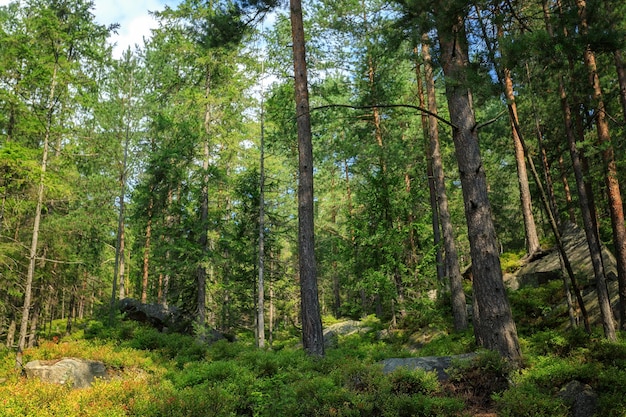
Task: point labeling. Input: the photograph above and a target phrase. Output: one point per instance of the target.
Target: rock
(78, 373)
(331, 339)
(548, 267)
(439, 364)
(158, 316)
(580, 398)
(343, 328)
(347, 327)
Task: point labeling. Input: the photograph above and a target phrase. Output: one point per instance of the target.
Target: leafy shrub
(528, 400)
(511, 261)
(450, 344)
(406, 381)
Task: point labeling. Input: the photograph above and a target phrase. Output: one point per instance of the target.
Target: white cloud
(133, 17)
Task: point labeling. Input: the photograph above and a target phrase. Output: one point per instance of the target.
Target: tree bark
(434, 204)
(612, 184)
(452, 267)
(312, 337)
(28, 288)
(146, 255)
(201, 272)
(496, 329)
(261, 283)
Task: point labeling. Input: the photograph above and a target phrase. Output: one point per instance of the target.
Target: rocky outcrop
(439, 364)
(548, 267)
(158, 316)
(343, 328)
(77, 373)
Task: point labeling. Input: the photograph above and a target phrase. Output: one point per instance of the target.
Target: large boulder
(439, 364)
(331, 333)
(548, 267)
(78, 373)
(157, 315)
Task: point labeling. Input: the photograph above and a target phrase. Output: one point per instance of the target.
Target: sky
(133, 17)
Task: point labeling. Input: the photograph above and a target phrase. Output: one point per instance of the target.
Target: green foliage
(510, 261)
(537, 308)
(529, 401)
(406, 381)
(445, 344)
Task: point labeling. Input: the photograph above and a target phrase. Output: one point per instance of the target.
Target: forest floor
(155, 374)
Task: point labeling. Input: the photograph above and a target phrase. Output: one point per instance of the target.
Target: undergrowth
(157, 374)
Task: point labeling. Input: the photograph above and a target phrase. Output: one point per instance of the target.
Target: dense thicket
(140, 176)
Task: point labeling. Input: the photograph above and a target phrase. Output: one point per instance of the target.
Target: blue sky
(132, 15)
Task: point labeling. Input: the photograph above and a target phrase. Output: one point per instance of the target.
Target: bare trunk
(496, 329)
(312, 338)
(587, 216)
(434, 205)
(612, 184)
(11, 333)
(261, 283)
(549, 204)
(453, 269)
(204, 212)
(28, 288)
(621, 78)
(146, 255)
(34, 322)
(532, 239)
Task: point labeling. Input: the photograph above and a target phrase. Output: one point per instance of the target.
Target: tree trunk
(532, 239)
(312, 337)
(11, 333)
(589, 224)
(204, 212)
(453, 269)
(434, 205)
(496, 329)
(28, 288)
(34, 321)
(612, 184)
(261, 283)
(146, 255)
(118, 268)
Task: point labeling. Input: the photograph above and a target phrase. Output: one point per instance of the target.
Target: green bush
(406, 381)
(528, 400)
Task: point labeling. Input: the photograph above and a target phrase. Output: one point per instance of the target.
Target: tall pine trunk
(452, 267)
(261, 281)
(608, 155)
(312, 337)
(32, 257)
(494, 326)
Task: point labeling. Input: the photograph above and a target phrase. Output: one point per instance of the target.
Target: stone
(158, 316)
(331, 339)
(78, 373)
(580, 398)
(347, 327)
(548, 267)
(439, 364)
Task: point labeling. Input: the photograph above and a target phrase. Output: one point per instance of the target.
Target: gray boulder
(158, 316)
(439, 364)
(548, 268)
(343, 328)
(580, 398)
(78, 373)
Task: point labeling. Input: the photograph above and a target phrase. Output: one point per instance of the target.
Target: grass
(155, 374)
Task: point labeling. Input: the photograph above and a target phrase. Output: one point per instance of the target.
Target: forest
(270, 169)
